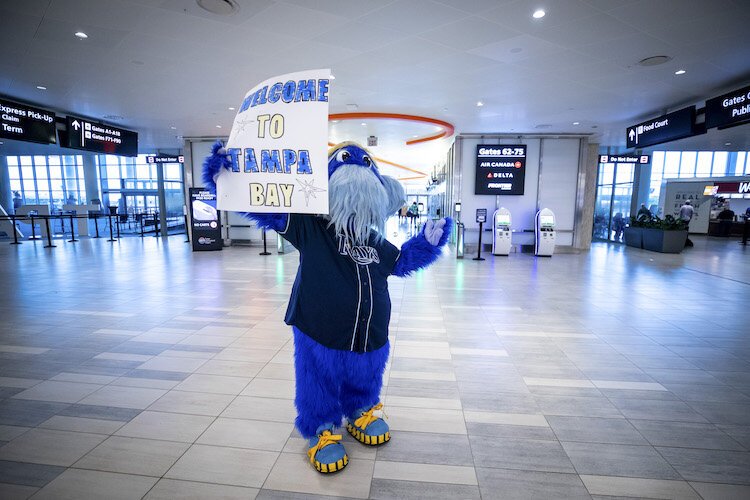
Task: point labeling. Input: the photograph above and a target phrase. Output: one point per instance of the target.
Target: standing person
(726, 217)
(686, 214)
(17, 200)
(618, 226)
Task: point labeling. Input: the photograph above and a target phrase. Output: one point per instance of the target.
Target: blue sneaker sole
(332, 467)
(366, 438)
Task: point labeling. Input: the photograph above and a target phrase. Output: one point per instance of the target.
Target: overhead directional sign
(665, 128)
(624, 159)
(25, 123)
(729, 109)
(165, 159)
(100, 138)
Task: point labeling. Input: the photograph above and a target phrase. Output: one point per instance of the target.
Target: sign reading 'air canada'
(665, 128)
(25, 123)
(501, 169)
(100, 138)
(729, 109)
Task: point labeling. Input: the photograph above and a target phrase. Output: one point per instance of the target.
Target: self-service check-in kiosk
(545, 233)
(501, 235)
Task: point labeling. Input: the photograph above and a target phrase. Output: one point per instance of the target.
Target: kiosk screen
(546, 220)
(503, 220)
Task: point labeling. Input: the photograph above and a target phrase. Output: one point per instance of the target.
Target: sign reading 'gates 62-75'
(501, 169)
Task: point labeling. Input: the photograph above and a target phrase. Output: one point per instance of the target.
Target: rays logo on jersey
(362, 255)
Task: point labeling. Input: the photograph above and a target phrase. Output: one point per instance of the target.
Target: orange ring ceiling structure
(447, 128)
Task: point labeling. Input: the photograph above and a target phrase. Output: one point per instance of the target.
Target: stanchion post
(49, 234)
(15, 232)
(72, 230)
(110, 229)
(265, 249)
(479, 248)
(33, 227)
(117, 221)
(96, 224)
(140, 219)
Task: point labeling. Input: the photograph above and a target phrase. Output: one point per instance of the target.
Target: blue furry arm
(418, 253)
(213, 164)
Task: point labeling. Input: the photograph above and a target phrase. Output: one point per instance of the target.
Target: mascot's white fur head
(360, 197)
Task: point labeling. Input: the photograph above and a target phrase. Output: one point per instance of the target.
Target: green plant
(668, 223)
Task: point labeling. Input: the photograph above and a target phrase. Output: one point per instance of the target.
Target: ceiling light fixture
(654, 60)
(480, 104)
(81, 35)
(41, 87)
(219, 7)
(173, 128)
(364, 124)
(231, 108)
(538, 14)
(576, 123)
(727, 143)
(680, 72)
(218, 126)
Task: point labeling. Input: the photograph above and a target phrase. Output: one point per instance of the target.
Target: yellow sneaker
(326, 452)
(368, 428)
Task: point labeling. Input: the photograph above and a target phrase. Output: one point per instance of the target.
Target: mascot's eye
(367, 161)
(343, 156)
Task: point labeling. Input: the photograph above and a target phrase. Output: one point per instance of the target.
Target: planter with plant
(667, 235)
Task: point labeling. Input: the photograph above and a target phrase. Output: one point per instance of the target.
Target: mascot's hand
(433, 231)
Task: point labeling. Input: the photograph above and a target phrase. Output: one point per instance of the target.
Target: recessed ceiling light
(41, 87)
(654, 60)
(576, 123)
(333, 77)
(363, 124)
(727, 143)
(218, 126)
(173, 128)
(81, 35)
(538, 14)
(219, 7)
(231, 108)
(680, 72)
(480, 104)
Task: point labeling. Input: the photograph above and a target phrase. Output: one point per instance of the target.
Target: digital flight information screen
(501, 169)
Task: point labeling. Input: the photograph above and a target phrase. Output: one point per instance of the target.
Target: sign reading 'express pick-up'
(278, 147)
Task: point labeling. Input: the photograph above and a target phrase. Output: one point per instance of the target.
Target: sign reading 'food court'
(665, 128)
(729, 109)
(501, 169)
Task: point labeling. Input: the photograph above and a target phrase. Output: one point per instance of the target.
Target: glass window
(720, 163)
(624, 172)
(657, 162)
(739, 166)
(13, 171)
(606, 173)
(687, 164)
(703, 168)
(12, 161)
(672, 164)
(173, 171)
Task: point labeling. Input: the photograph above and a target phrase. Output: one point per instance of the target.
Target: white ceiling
(167, 63)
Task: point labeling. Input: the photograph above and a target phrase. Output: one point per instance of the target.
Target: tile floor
(142, 370)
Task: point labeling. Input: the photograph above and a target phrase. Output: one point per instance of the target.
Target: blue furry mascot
(340, 308)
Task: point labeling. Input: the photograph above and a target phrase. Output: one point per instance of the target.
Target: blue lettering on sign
(270, 162)
(290, 91)
(233, 154)
(251, 164)
(304, 167)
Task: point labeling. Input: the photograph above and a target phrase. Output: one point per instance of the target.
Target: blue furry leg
(332, 383)
(318, 380)
(363, 380)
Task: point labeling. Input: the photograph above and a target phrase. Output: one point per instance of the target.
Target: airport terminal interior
(577, 329)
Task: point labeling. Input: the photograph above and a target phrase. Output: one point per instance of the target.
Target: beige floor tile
(75, 484)
(270, 388)
(10, 432)
(230, 368)
(59, 392)
(522, 419)
(133, 456)
(438, 376)
(50, 447)
(169, 489)
(558, 382)
(222, 331)
(232, 466)
(293, 472)
(137, 398)
(251, 355)
(160, 337)
(281, 371)
(19, 383)
(712, 491)
(166, 426)
(194, 403)
(413, 402)
(16, 491)
(426, 420)
(428, 473)
(169, 364)
(83, 378)
(147, 383)
(78, 424)
(639, 487)
(208, 341)
(214, 384)
(254, 408)
(255, 434)
(121, 356)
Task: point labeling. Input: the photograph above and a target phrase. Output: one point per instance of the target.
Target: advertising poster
(279, 147)
(206, 224)
(501, 169)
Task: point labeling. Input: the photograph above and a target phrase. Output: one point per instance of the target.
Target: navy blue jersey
(340, 295)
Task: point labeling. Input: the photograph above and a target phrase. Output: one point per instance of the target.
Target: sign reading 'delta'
(501, 169)
(165, 159)
(642, 159)
(729, 109)
(25, 123)
(665, 128)
(278, 147)
(100, 137)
